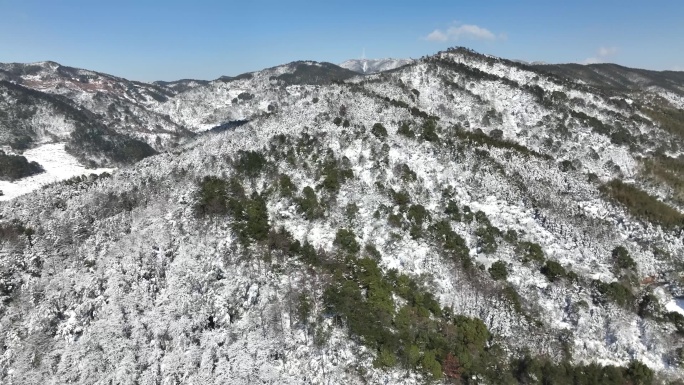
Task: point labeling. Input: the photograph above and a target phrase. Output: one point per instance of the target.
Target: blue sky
(166, 40)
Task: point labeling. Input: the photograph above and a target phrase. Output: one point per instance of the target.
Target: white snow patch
(675, 305)
(58, 164)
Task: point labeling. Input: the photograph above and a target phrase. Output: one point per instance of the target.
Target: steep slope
(29, 117)
(357, 233)
(46, 138)
(605, 135)
(122, 105)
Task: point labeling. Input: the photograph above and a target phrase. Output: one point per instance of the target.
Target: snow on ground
(58, 164)
(671, 304)
(676, 305)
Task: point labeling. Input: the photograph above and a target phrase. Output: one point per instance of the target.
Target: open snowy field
(58, 164)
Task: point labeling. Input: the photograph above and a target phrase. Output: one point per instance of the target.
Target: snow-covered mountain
(106, 121)
(462, 218)
(616, 78)
(249, 95)
(372, 66)
(124, 106)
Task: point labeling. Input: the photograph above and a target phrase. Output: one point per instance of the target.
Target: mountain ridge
(371, 66)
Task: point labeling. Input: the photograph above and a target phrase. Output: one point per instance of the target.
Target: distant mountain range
(372, 66)
(619, 78)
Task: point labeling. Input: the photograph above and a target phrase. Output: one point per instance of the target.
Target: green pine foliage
(672, 120)
(372, 252)
(615, 292)
(482, 139)
(678, 321)
(512, 296)
(351, 210)
(304, 308)
(334, 173)
(345, 240)
(452, 211)
(251, 220)
(430, 365)
(622, 260)
(511, 236)
(86, 141)
(407, 175)
(12, 231)
(530, 252)
(418, 335)
(498, 271)
(405, 130)
(13, 167)
(649, 307)
(429, 131)
(553, 271)
(453, 245)
(395, 220)
(212, 197)
(401, 199)
(308, 204)
(379, 131)
(643, 206)
(532, 370)
(666, 170)
(415, 333)
(417, 215)
(596, 125)
(415, 111)
(286, 186)
(250, 163)
(219, 197)
(487, 238)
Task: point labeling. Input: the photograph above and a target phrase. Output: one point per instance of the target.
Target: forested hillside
(461, 219)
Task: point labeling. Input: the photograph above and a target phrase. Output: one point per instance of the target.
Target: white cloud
(602, 55)
(607, 51)
(437, 35)
(464, 31)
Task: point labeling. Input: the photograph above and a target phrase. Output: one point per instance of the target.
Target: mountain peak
(47, 63)
(371, 66)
